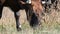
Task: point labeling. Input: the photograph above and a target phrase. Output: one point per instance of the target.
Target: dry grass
(51, 24)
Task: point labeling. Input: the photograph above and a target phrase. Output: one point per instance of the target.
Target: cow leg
(1, 8)
(27, 14)
(29, 11)
(18, 26)
(31, 17)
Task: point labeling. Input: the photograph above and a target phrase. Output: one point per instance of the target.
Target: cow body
(33, 10)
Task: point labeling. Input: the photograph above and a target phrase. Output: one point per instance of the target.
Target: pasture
(50, 24)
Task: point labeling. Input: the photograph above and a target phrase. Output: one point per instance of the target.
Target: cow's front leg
(18, 26)
(1, 8)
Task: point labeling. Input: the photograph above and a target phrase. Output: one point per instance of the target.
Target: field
(50, 24)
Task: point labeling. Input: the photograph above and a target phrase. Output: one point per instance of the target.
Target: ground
(50, 23)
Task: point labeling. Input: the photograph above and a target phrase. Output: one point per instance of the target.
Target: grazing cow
(33, 10)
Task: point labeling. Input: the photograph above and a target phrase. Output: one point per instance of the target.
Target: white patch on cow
(20, 26)
(28, 1)
(43, 2)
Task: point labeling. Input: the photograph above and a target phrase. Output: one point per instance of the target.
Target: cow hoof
(19, 29)
(0, 17)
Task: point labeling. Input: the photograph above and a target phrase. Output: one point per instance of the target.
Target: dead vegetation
(50, 23)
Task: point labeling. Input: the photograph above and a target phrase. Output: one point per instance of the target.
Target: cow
(33, 10)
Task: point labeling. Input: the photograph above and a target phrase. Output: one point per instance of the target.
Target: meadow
(50, 24)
